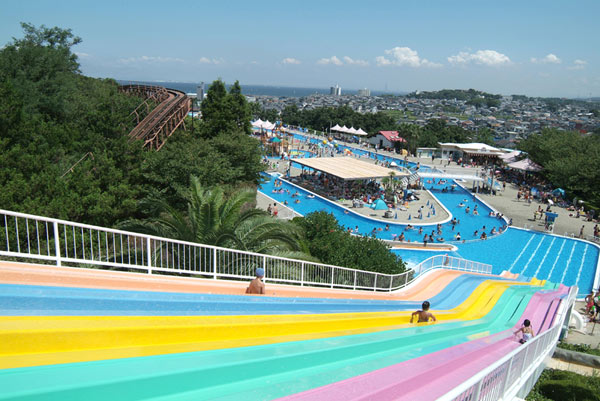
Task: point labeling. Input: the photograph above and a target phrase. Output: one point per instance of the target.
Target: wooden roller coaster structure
(155, 125)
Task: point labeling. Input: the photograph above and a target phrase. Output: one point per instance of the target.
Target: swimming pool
(549, 257)
(468, 223)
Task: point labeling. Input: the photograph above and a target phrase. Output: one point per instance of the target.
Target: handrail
(510, 375)
(35, 238)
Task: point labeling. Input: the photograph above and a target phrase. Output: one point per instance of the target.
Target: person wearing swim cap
(257, 286)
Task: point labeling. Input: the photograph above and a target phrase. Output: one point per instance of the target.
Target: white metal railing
(515, 374)
(451, 262)
(25, 237)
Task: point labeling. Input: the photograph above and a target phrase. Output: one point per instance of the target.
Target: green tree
(484, 135)
(412, 133)
(229, 159)
(216, 114)
(214, 218)
(239, 108)
(569, 160)
(63, 151)
(329, 242)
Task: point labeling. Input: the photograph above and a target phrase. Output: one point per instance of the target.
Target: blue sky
(536, 48)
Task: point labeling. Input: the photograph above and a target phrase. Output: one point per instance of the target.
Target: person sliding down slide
(424, 314)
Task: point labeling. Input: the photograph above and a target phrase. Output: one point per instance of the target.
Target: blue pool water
(467, 226)
(532, 254)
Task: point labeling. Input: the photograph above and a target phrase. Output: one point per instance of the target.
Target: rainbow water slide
(128, 338)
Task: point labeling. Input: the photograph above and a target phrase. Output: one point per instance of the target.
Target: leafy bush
(330, 243)
(585, 348)
(561, 385)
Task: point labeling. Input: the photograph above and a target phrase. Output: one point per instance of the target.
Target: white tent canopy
(510, 157)
(525, 165)
(346, 130)
(258, 123)
(268, 125)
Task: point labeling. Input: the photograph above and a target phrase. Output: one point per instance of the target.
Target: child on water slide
(423, 315)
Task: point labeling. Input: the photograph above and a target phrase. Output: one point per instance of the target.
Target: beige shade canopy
(348, 168)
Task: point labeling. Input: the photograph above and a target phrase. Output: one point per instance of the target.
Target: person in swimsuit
(257, 286)
(526, 330)
(423, 315)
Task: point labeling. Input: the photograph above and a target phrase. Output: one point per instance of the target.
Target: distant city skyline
(535, 48)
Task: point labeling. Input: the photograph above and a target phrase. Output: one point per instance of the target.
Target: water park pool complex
(559, 259)
(94, 313)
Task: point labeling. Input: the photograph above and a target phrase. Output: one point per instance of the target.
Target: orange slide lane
(21, 273)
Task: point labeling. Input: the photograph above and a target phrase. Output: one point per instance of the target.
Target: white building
(200, 92)
(386, 139)
(464, 151)
(364, 92)
(335, 90)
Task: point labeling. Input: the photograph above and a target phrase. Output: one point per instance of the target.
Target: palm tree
(213, 218)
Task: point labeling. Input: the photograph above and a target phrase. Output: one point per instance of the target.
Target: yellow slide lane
(41, 340)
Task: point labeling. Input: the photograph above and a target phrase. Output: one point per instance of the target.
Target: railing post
(302, 275)
(265, 267)
(56, 244)
(354, 287)
(214, 263)
(406, 279)
(503, 391)
(524, 360)
(149, 254)
(375, 284)
(332, 276)
(478, 390)
(391, 281)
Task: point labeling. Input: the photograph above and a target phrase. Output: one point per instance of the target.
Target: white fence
(516, 373)
(29, 238)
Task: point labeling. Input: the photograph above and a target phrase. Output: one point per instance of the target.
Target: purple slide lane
(432, 375)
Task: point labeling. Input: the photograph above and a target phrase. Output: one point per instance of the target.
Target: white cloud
(331, 60)
(362, 63)
(82, 55)
(150, 59)
(486, 57)
(290, 60)
(578, 65)
(206, 60)
(549, 59)
(404, 56)
(346, 61)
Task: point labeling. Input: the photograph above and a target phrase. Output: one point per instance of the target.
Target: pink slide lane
(433, 375)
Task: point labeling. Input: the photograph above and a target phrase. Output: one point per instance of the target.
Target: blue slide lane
(21, 300)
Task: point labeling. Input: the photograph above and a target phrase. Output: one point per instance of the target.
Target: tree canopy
(63, 151)
(64, 148)
(332, 244)
(323, 117)
(215, 218)
(222, 111)
(569, 159)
